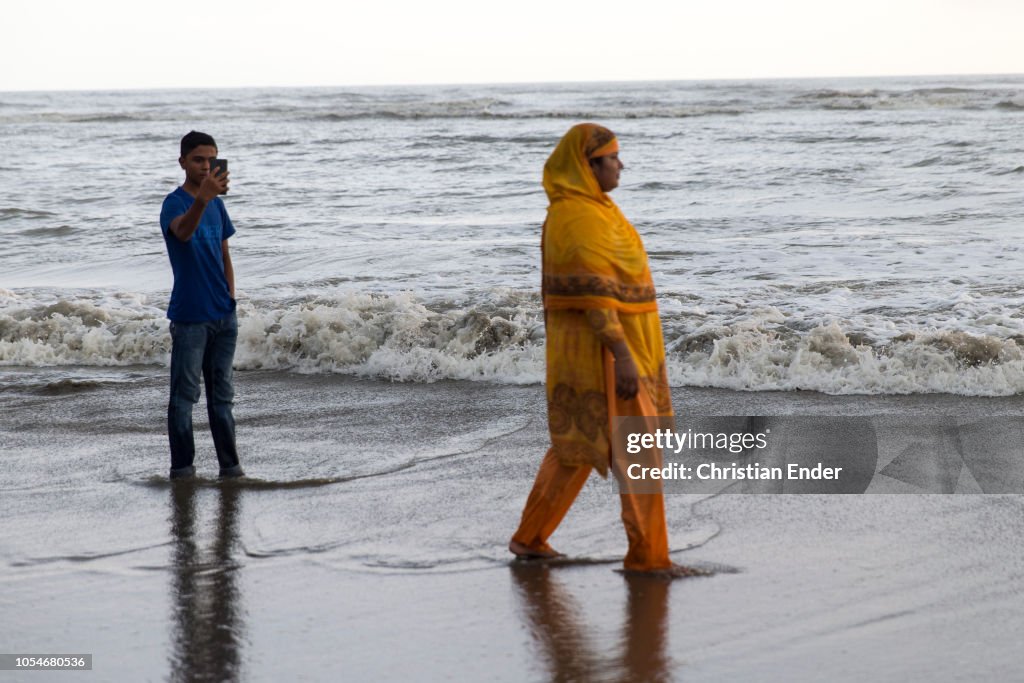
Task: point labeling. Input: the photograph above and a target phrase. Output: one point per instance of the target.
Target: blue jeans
(208, 347)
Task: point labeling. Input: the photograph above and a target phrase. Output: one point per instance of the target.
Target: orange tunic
(593, 259)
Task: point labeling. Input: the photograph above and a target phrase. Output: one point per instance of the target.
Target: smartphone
(219, 167)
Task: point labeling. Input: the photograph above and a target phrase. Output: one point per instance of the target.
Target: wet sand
(368, 543)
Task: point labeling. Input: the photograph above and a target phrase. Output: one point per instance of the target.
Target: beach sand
(368, 543)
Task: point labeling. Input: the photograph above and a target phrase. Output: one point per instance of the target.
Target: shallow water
(370, 539)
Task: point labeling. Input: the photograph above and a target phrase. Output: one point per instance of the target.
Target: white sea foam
(91, 329)
(394, 337)
(399, 337)
(824, 359)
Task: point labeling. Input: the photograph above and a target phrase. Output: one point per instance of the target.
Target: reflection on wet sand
(556, 622)
(208, 630)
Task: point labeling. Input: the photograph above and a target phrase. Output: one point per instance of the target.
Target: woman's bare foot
(524, 552)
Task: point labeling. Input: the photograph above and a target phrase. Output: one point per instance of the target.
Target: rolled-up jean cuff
(234, 471)
(183, 472)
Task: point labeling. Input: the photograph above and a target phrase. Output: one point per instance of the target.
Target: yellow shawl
(593, 258)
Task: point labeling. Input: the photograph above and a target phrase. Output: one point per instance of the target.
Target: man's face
(197, 163)
(606, 170)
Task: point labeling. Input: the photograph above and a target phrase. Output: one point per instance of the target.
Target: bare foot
(523, 552)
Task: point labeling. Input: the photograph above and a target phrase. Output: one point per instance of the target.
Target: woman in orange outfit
(605, 353)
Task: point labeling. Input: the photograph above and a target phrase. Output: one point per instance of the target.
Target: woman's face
(606, 170)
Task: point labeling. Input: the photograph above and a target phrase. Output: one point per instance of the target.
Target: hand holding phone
(215, 182)
(219, 169)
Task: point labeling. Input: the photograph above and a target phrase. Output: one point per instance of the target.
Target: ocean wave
(488, 108)
(60, 117)
(396, 337)
(393, 337)
(652, 101)
(943, 91)
(924, 163)
(87, 331)
(914, 98)
(392, 112)
(19, 213)
(846, 139)
(55, 231)
(755, 357)
(625, 112)
(829, 94)
(646, 108)
(495, 109)
(401, 338)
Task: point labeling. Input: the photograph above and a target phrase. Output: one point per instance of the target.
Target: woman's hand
(627, 378)
(606, 325)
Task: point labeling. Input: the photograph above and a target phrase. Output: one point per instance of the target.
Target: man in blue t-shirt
(204, 328)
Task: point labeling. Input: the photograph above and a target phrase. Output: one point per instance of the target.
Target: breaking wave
(400, 338)
(831, 360)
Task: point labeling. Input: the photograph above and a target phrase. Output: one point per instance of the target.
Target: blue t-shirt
(200, 286)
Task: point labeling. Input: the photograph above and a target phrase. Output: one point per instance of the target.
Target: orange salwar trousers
(557, 485)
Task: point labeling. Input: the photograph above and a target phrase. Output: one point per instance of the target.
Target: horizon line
(505, 83)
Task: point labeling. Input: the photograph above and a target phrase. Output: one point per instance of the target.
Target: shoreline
(373, 533)
(710, 400)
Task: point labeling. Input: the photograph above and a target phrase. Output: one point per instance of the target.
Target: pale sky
(109, 44)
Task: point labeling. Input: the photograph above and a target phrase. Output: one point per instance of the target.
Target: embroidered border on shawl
(594, 285)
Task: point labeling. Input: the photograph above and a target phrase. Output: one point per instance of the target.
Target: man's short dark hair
(194, 139)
